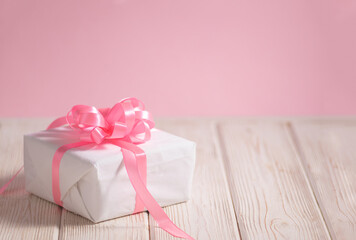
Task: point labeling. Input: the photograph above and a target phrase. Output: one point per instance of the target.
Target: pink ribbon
(125, 125)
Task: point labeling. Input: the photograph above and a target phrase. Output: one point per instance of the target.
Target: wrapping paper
(93, 179)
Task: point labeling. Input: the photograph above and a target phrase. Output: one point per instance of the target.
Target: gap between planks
(226, 166)
(298, 181)
(209, 214)
(312, 185)
(328, 149)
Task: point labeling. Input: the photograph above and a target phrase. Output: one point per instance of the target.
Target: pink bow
(126, 120)
(124, 125)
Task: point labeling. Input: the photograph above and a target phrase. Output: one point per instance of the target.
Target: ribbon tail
(58, 122)
(141, 162)
(3, 188)
(130, 153)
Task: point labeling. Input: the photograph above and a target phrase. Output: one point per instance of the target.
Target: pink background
(182, 58)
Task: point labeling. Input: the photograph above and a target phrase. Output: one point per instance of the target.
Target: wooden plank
(209, 214)
(271, 194)
(328, 152)
(131, 227)
(22, 215)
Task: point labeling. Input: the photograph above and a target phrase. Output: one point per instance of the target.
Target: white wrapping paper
(93, 179)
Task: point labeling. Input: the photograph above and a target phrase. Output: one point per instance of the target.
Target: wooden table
(256, 178)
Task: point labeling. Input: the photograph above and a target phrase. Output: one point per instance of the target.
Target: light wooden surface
(328, 152)
(258, 178)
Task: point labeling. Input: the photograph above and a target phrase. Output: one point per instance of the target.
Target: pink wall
(232, 57)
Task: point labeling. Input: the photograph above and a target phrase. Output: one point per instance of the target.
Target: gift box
(93, 180)
(110, 162)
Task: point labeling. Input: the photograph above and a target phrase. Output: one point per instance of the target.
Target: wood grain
(131, 227)
(328, 150)
(271, 194)
(22, 216)
(209, 214)
(283, 181)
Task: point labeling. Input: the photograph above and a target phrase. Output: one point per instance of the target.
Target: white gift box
(93, 179)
